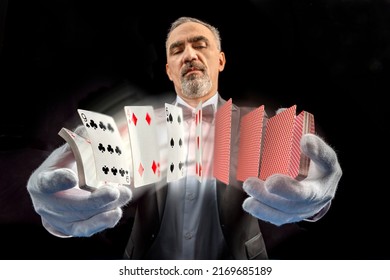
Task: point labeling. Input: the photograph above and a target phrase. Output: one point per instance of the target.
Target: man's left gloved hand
(281, 199)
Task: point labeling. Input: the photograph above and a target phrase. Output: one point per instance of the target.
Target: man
(189, 219)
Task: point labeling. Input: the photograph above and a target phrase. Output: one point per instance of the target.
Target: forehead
(189, 30)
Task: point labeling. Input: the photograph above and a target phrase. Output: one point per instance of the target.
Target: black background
(330, 58)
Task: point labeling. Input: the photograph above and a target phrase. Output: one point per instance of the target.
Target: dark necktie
(207, 112)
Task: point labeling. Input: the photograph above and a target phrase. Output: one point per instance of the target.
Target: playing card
(198, 141)
(144, 145)
(251, 130)
(82, 151)
(111, 160)
(223, 121)
(299, 166)
(278, 138)
(176, 156)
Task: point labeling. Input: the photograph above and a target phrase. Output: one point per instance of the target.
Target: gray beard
(193, 87)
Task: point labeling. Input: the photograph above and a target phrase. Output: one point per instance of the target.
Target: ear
(222, 61)
(167, 70)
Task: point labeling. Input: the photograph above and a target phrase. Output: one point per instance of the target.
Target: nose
(189, 54)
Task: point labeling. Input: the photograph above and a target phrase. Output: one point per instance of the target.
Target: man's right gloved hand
(65, 209)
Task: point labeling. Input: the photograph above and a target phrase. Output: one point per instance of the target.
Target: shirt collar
(212, 100)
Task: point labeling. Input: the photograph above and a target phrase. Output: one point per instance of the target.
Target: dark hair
(182, 20)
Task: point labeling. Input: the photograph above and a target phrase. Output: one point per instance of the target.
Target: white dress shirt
(190, 227)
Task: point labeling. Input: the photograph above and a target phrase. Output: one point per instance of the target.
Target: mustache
(189, 66)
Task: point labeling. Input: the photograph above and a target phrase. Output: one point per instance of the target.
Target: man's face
(194, 61)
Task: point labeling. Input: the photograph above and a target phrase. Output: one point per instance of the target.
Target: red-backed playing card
(223, 121)
(251, 130)
(281, 152)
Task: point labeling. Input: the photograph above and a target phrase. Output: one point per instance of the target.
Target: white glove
(65, 209)
(281, 199)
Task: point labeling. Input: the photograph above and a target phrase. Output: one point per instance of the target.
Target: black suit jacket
(241, 230)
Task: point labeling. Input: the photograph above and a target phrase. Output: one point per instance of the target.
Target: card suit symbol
(148, 118)
(110, 149)
(170, 118)
(134, 119)
(141, 169)
(118, 151)
(93, 124)
(181, 165)
(172, 142)
(105, 169)
(123, 172)
(110, 128)
(180, 142)
(102, 126)
(114, 171)
(179, 119)
(198, 142)
(154, 167)
(101, 148)
(172, 167)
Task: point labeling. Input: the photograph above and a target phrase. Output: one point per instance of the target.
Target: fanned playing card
(198, 141)
(251, 130)
(144, 145)
(299, 167)
(111, 160)
(277, 144)
(281, 153)
(223, 121)
(176, 156)
(85, 161)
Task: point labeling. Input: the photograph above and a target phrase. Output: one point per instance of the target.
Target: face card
(176, 156)
(111, 160)
(198, 141)
(144, 145)
(251, 130)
